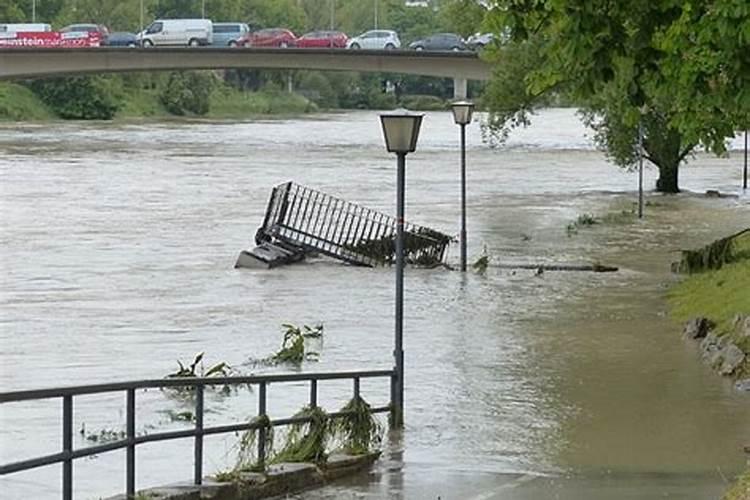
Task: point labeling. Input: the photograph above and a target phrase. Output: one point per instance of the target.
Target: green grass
(18, 103)
(741, 489)
(718, 295)
(142, 103)
(230, 103)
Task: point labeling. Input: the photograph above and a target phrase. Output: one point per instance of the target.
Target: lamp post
(401, 131)
(744, 172)
(643, 110)
(33, 11)
(462, 113)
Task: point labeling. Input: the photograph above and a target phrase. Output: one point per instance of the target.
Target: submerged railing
(318, 222)
(68, 454)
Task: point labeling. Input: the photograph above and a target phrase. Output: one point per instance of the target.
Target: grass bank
(19, 103)
(741, 489)
(720, 290)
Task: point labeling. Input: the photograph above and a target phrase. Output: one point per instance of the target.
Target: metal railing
(315, 221)
(69, 454)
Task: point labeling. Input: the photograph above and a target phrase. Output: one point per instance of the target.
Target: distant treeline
(351, 16)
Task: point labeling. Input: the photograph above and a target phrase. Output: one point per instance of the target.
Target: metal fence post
(313, 393)
(198, 451)
(356, 387)
(262, 431)
(130, 450)
(67, 441)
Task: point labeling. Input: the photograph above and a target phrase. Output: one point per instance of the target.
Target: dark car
(322, 39)
(440, 41)
(121, 39)
(270, 37)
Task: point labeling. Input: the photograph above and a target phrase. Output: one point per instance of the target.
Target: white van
(25, 28)
(190, 32)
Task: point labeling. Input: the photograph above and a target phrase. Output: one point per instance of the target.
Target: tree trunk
(665, 149)
(667, 181)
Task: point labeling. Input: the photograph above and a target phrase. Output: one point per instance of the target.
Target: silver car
(227, 34)
(375, 39)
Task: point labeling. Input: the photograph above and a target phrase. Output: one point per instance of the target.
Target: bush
(19, 103)
(377, 99)
(81, 97)
(423, 102)
(188, 93)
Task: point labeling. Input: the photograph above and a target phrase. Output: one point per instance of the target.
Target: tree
(603, 52)
(462, 16)
(80, 97)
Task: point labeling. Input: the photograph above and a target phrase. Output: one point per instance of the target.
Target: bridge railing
(68, 453)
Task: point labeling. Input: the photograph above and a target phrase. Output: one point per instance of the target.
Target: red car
(323, 39)
(272, 37)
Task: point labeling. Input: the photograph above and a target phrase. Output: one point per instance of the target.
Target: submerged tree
(623, 63)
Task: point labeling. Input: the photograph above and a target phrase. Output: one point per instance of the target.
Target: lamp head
(462, 112)
(401, 131)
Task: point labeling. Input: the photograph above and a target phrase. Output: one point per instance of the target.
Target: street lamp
(401, 131)
(462, 112)
(744, 172)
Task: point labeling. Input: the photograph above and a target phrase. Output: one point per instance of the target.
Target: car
(227, 34)
(25, 28)
(375, 39)
(121, 39)
(439, 41)
(180, 32)
(479, 41)
(89, 29)
(330, 39)
(269, 37)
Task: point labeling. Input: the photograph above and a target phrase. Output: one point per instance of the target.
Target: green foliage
(717, 254)
(358, 429)
(308, 441)
(423, 103)
(188, 92)
(80, 97)
(588, 220)
(464, 17)
(293, 348)
(740, 489)
(196, 369)
(20, 103)
(682, 64)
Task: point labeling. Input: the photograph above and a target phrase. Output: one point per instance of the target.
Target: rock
(697, 328)
(733, 357)
(713, 193)
(743, 384)
(741, 326)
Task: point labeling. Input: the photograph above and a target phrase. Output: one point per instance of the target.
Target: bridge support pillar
(459, 89)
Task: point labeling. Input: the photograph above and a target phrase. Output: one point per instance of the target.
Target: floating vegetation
(422, 247)
(247, 450)
(307, 441)
(715, 255)
(180, 416)
(588, 220)
(481, 264)
(104, 436)
(294, 348)
(359, 430)
(196, 369)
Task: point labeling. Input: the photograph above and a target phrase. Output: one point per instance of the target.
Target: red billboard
(50, 39)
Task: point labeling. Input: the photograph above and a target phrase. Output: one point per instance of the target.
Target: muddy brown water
(117, 244)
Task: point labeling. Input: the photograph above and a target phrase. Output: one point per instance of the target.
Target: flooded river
(117, 247)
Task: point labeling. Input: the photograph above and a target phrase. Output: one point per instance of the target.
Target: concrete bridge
(20, 63)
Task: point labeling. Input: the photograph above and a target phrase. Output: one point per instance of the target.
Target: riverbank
(715, 303)
(19, 103)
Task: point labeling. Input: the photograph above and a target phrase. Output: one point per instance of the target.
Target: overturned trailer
(301, 221)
